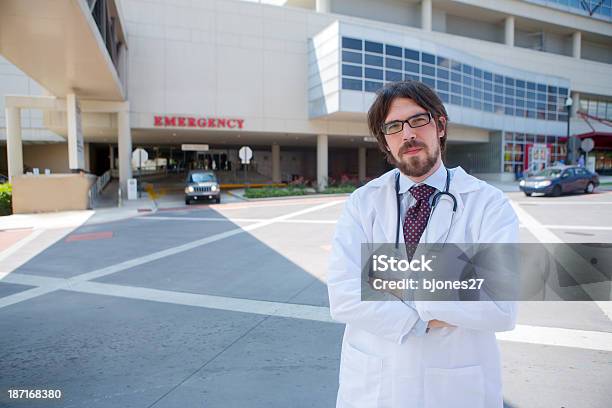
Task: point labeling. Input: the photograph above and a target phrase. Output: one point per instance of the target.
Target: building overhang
(59, 45)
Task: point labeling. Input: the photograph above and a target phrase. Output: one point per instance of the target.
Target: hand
(437, 324)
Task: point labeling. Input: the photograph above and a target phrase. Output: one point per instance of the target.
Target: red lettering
(190, 121)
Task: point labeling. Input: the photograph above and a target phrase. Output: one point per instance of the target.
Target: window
(457, 83)
(352, 84)
(411, 54)
(371, 86)
(442, 85)
(430, 82)
(442, 73)
(392, 50)
(373, 73)
(374, 47)
(351, 43)
(373, 60)
(411, 66)
(348, 56)
(393, 76)
(394, 63)
(428, 70)
(352, 70)
(428, 58)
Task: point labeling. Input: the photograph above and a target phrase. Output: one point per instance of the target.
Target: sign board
(139, 157)
(246, 154)
(537, 157)
(194, 147)
(590, 164)
(587, 145)
(132, 189)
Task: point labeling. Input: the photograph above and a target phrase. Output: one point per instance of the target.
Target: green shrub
(273, 192)
(340, 189)
(5, 199)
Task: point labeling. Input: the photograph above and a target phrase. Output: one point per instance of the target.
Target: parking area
(226, 306)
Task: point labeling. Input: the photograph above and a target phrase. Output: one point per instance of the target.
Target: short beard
(415, 166)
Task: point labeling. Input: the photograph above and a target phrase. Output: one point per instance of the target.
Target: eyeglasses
(415, 121)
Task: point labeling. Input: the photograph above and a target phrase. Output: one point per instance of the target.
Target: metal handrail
(97, 187)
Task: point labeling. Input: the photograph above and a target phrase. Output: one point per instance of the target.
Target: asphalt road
(226, 306)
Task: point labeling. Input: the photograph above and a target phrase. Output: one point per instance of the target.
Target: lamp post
(571, 148)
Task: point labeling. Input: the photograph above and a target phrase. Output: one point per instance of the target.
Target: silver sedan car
(201, 185)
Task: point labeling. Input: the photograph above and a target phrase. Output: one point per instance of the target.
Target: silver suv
(200, 185)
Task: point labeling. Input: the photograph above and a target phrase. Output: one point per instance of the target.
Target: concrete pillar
(575, 103)
(323, 6)
(322, 171)
(14, 149)
(426, 15)
(125, 150)
(276, 173)
(76, 146)
(576, 44)
(509, 31)
(111, 156)
(362, 164)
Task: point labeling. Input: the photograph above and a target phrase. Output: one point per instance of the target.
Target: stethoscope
(434, 204)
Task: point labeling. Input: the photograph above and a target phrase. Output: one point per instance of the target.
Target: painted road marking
(35, 292)
(560, 337)
(542, 234)
(90, 236)
(231, 219)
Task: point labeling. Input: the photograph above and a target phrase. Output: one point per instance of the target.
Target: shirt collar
(436, 180)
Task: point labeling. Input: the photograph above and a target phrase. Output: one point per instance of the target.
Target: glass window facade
(455, 82)
(599, 109)
(597, 8)
(515, 149)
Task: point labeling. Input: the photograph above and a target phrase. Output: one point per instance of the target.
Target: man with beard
(417, 354)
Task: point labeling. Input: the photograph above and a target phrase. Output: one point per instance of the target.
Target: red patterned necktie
(416, 217)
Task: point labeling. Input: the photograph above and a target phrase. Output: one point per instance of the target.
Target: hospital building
(83, 83)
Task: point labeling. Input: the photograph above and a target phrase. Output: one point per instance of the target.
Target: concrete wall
(53, 156)
(390, 11)
(249, 60)
(597, 51)
(57, 192)
(474, 28)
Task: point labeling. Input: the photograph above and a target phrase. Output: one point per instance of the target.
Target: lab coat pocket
(454, 387)
(360, 378)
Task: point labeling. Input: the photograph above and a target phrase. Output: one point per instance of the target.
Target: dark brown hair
(420, 93)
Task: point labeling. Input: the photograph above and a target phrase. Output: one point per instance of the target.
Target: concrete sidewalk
(66, 219)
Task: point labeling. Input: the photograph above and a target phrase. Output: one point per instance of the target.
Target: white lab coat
(381, 365)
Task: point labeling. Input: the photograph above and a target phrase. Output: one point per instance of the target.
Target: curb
(319, 195)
